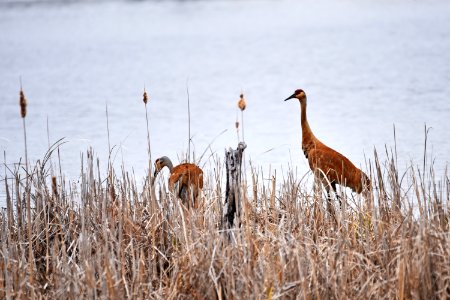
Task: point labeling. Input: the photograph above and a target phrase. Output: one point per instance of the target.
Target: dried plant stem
(148, 141)
(286, 246)
(242, 122)
(237, 128)
(28, 204)
(189, 123)
(9, 207)
(150, 180)
(25, 143)
(49, 146)
(109, 142)
(242, 105)
(150, 163)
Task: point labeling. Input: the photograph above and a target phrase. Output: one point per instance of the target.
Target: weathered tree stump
(233, 203)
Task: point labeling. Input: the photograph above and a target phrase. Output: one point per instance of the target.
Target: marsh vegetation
(116, 237)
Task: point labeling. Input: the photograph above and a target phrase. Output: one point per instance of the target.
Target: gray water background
(366, 67)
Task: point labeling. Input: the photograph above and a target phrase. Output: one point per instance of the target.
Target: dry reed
(149, 183)
(98, 240)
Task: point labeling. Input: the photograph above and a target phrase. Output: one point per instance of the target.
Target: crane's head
(161, 163)
(298, 94)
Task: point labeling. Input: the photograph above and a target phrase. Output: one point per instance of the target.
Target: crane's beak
(290, 97)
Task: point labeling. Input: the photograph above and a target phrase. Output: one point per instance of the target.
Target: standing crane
(186, 180)
(328, 165)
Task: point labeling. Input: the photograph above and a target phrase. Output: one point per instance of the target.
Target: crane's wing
(186, 174)
(336, 166)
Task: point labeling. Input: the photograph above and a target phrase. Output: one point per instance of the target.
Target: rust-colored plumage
(186, 180)
(328, 165)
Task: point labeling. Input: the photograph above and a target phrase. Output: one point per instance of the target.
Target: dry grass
(96, 239)
(105, 238)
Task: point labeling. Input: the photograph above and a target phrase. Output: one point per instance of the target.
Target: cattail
(237, 124)
(145, 99)
(241, 103)
(23, 114)
(54, 186)
(23, 104)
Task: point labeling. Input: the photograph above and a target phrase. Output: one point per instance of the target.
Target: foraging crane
(186, 180)
(328, 165)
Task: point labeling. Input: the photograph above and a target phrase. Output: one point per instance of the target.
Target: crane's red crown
(298, 94)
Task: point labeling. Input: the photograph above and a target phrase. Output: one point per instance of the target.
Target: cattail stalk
(109, 142)
(145, 99)
(150, 165)
(242, 105)
(237, 128)
(23, 114)
(189, 123)
(9, 208)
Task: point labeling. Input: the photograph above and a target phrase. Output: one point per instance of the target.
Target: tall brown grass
(99, 239)
(91, 241)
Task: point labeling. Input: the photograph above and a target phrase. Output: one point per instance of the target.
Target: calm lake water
(365, 66)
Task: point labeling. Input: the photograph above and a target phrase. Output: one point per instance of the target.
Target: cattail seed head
(112, 193)
(54, 186)
(237, 124)
(241, 103)
(145, 97)
(23, 104)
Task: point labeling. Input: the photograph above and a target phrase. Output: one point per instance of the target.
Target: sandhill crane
(186, 180)
(328, 165)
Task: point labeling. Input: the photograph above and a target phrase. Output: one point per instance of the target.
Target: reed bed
(105, 238)
(114, 237)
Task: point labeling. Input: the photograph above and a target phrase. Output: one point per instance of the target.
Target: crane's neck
(168, 163)
(308, 138)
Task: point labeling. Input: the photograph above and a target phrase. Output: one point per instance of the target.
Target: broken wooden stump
(233, 203)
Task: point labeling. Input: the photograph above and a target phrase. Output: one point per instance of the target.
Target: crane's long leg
(322, 180)
(184, 195)
(330, 207)
(327, 188)
(333, 185)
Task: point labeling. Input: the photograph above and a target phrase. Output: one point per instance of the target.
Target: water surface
(365, 66)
